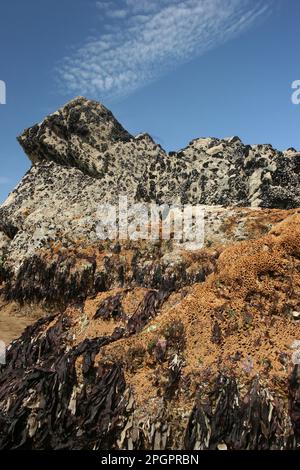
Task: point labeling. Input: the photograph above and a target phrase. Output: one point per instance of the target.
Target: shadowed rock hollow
(149, 345)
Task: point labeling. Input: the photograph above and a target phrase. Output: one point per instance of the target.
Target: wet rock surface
(138, 345)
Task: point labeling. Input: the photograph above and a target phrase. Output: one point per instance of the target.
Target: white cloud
(143, 39)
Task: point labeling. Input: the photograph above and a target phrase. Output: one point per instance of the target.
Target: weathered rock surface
(85, 135)
(150, 345)
(82, 157)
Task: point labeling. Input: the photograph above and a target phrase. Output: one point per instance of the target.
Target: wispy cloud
(142, 39)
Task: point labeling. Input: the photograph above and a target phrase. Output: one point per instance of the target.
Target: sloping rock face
(150, 345)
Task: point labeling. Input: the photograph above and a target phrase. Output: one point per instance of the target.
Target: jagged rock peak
(74, 135)
(85, 135)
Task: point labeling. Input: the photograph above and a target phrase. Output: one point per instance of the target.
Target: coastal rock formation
(84, 135)
(82, 157)
(149, 345)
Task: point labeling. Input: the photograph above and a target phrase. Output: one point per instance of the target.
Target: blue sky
(176, 69)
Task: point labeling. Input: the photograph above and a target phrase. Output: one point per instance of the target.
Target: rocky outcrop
(86, 136)
(83, 157)
(150, 345)
(77, 135)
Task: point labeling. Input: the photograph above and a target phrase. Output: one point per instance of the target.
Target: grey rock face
(81, 157)
(86, 136)
(76, 135)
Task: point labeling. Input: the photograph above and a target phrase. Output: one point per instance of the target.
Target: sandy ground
(14, 319)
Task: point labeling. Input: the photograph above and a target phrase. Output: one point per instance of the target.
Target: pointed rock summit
(75, 135)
